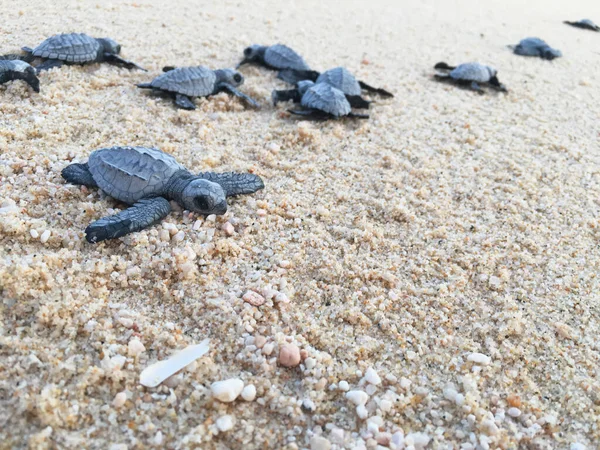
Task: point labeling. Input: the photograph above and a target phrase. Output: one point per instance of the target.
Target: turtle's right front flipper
(117, 60)
(294, 76)
(135, 218)
(379, 91)
(79, 174)
(235, 183)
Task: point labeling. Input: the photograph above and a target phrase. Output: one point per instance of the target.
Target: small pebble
(228, 229)
(253, 298)
(224, 423)
(45, 236)
(372, 377)
(34, 234)
(310, 363)
(158, 438)
(479, 358)
(135, 347)
(268, 348)
(344, 386)
(405, 383)
(179, 236)
(319, 443)
(249, 393)
(514, 412)
(577, 446)
(362, 412)
(119, 399)
(227, 390)
(289, 355)
(211, 218)
(357, 397)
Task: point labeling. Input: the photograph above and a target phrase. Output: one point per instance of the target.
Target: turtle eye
(237, 78)
(248, 51)
(202, 203)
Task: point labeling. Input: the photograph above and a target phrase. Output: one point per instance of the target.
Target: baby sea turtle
(585, 24)
(77, 48)
(275, 57)
(186, 82)
(535, 47)
(147, 179)
(339, 78)
(18, 70)
(323, 101)
(470, 75)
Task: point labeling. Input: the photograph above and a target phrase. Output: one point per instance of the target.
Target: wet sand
(449, 243)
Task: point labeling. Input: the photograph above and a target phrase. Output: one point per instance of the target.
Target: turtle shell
(340, 79)
(191, 81)
(280, 56)
(326, 98)
(131, 173)
(73, 47)
(473, 72)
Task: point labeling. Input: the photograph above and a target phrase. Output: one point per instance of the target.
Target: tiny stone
(289, 355)
(383, 438)
(135, 347)
(337, 436)
(260, 341)
(419, 440)
(309, 405)
(514, 412)
(126, 322)
(227, 390)
(268, 348)
(479, 358)
(228, 229)
(45, 236)
(362, 412)
(372, 377)
(164, 235)
(211, 218)
(410, 355)
(344, 386)
(385, 405)
(197, 225)
(119, 399)
(253, 298)
(577, 446)
(357, 397)
(261, 212)
(179, 236)
(224, 423)
(310, 363)
(319, 443)
(405, 383)
(371, 389)
(249, 393)
(158, 438)
(34, 234)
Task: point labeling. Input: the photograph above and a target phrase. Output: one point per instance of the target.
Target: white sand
(448, 224)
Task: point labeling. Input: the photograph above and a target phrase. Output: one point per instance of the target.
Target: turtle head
(550, 53)
(24, 71)
(304, 86)
(230, 76)
(110, 46)
(254, 53)
(204, 197)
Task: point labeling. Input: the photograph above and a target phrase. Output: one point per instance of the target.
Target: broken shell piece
(158, 372)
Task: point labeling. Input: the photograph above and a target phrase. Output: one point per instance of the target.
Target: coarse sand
(439, 260)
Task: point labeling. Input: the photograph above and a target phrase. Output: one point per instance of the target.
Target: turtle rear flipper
(117, 60)
(293, 76)
(135, 218)
(184, 102)
(313, 114)
(48, 64)
(356, 101)
(358, 116)
(234, 91)
(79, 174)
(379, 91)
(235, 183)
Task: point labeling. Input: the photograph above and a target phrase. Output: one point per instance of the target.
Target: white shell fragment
(155, 374)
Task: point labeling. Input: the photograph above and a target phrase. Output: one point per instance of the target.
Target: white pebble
(249, 393)
(45, 236)
(357, 397)
(158, 438)
(385, 405)
(227, 390)
(126, 322)
(254, 298)
(228, 229)
(479, 358)
(310, 363)
(459, 399)
(337, 436)
(211, 218)
(418, 440)
(197, 225)
(514, 412)
(135, 347)
(224, 423)
(308, 404)
(268, 348)
(34, 234)
(344, 386)
(372, 377)
(410, 355)
(319, 443)
(179, 236)
(398, 439)
(577, 446)
(405, 383)
(371, 389)
(119, 399)
(362, 412)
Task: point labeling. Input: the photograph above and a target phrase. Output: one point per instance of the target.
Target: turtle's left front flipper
(293, 76)
(135, 218)
(234, 91)
(379, 91)
(115, 59)
(235, 183)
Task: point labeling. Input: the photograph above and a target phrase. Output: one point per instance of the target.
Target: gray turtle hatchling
(586, 24)
(186, 82)
(18, 70)
(78, 48)
(147, 179)
(323, 101)
(535, 47)
(471, 75)
(339, 78)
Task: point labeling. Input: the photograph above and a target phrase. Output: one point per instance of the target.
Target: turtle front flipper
(379, 91)
(358, 116)
(116, 59)
(443, 66)
(79, 174)
(293, 76)
(229, 88)
(313, 114)
(168, 68)
(284, 96)
(135, 218)
(184, 102)
(235, 183)
(356, 101)
(48, 64)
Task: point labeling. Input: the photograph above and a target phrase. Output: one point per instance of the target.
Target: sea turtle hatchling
(339, 78)
(186, 82)
(323, 101)
(471, 75)
(18, 70)
(78, 48)
(586, 24)
(533, 46)
(147, 179)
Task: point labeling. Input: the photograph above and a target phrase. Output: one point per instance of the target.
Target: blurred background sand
(449, 224)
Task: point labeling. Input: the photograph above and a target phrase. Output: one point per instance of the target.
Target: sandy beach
(436, 265)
